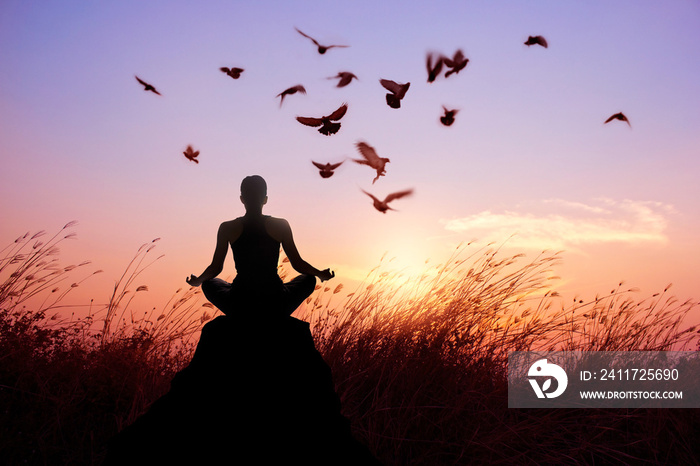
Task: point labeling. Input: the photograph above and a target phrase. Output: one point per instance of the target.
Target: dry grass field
(420, 363)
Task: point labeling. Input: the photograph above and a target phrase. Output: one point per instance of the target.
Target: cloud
(569, 225)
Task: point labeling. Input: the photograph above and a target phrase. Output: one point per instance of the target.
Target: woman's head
(253, 191)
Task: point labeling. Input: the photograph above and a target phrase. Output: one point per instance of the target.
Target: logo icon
(542, 368)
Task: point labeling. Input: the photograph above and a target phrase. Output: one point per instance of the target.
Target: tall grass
(420, 363)
(67, 384)
(29, 269)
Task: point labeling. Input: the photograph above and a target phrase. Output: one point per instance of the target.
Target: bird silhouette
(292, 90)
(536, 40)
(456, 64)
(321, 48)
(383, 206)
(326, 170)
(235, 73)
(396, 92)
(146, 86)
(449, 117)
(434, 70)
(371, 159)
(618, 116)
(345, 78)
(191, 154)
(326, 124)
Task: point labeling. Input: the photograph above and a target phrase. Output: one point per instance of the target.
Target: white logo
(541, 368)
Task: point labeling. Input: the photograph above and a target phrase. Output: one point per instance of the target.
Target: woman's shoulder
(232, 223)
(278, 228)
(276, 221)
(231, 226)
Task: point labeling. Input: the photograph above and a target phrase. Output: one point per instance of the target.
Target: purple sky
(527, 155)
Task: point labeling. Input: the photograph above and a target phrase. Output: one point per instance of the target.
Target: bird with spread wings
(371, 159)
(146, 86)
(326, 169)
(326, 124)
(321, 48)
(383, 206)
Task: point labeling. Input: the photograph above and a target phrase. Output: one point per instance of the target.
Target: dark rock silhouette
(255, 392)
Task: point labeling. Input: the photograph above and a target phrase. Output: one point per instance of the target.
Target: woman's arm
(284, 233)
(217, 262)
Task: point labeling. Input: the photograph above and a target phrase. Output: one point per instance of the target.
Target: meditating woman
(255, 241)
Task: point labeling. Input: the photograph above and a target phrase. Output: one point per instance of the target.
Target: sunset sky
(528, 154)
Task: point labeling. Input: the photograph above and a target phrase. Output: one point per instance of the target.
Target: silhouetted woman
(255, 241)
(274, 389)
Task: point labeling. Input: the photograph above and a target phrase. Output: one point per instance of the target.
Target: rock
(255, 392)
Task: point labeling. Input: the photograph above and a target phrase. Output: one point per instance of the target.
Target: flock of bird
(330, 124)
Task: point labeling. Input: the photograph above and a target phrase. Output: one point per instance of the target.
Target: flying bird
(321, 48)
(345, 78)
(457, 63)
(325, 122)
(396, 92)
(433, 70)
(383, 206)
(235, 73)
(292, 90)
(146, 86)
(536, 40)
(449, 117)
(371, 159)
(191, 154)
(326, 170)
(618, 116)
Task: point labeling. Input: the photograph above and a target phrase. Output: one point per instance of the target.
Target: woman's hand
(193, 280)
(326, 275)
